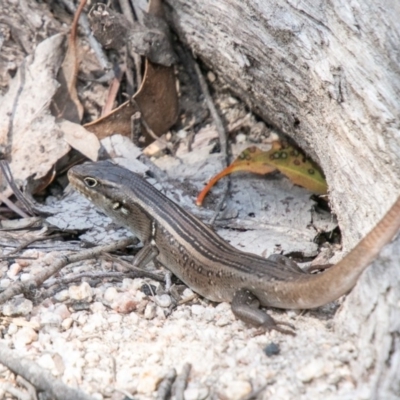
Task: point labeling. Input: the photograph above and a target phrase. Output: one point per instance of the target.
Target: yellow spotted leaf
(289, 160)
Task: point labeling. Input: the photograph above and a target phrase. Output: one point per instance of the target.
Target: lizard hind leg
(245, 306)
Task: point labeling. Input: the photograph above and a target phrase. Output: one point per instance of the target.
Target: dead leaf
(27, 129)
(66, 103)
(156, 100)
(289, 160)
(80, 139)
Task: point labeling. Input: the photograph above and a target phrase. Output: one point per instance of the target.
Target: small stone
(240, 138)
(187, 293)
(310, 371)
(13, 271)
(124, 303)
(92, 358)
(46, 361)
(128, 284)
(110, 294)
(148, 381)
(150, 311)
(67, 323)
(211, 76)
(238, 389)
(196, 393)
(272, 350)
(17, 307)
(62, 311)
(62, 296)
(4, 283)
(83, 292)
(97, 307)
(25, 277)
(163, 300)
(12, 329)
(197, 309)
(223, 320)
(50, 319)
(24, 336)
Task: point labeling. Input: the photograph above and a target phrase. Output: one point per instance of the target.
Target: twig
(39, 377)
(94, 44)
(164, 389)
(129, 266)
(34, 240)
(34, 283)
(214, 113)
(223, 142)
(181, 381)
(12, 206)
(5, 168)
(96, 275)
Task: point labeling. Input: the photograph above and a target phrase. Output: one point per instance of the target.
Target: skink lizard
(209, 265)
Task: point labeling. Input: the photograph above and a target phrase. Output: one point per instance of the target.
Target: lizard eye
(90, 182)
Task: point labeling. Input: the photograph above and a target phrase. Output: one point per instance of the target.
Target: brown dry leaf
(66, 103)
(156, 100)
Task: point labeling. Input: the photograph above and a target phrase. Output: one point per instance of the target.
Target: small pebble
(272, 350)
(150, 311)
(24, 336)
(237, 390)
(182, 134)
(241, 138)
(50, 319)
(12, 329)
(196, 392)
(4, 283)
(211, 76)
(110, 294)
(83, 292)
(46, 361)
(17, 307)
(163, 300)
(310, 371)
(67, 323)
(62, 296)
(62, 311)
(124, 303)
(148, 381)
(25, 277)
(13, 271)
(197, 309)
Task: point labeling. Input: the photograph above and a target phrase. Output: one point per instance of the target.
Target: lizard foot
(245, 306)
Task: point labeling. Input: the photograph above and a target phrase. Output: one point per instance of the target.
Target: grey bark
(325, 73)
(328, 75)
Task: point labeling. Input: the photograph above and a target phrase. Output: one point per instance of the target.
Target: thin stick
(38, 279)
(5, 168)
(221, 133)
(39, 377)
(148, 274)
